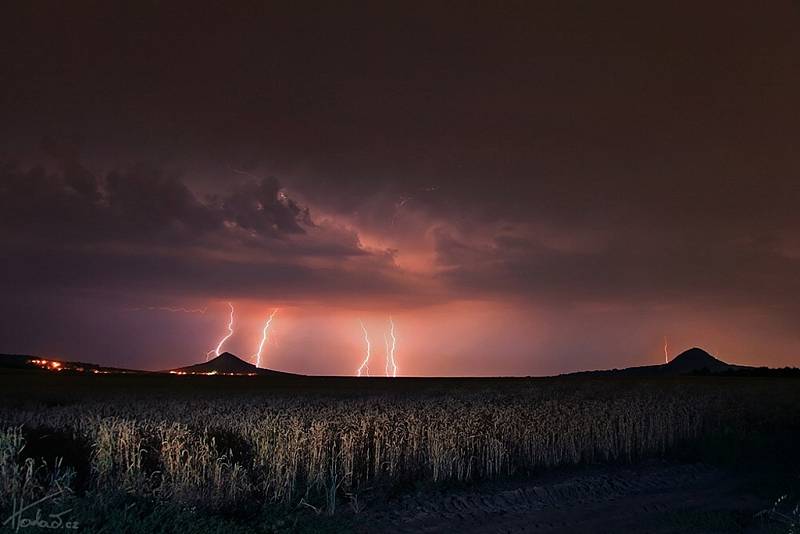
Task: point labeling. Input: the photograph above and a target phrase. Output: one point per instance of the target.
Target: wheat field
(215, 449)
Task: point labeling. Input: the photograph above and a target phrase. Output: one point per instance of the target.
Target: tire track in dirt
(602, 500)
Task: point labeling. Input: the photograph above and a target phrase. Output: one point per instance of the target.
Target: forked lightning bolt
(264, 334)
(390, 347)
(365, 363)
(666, 351)
(225, 338)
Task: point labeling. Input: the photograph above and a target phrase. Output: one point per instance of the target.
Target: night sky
(526, 188)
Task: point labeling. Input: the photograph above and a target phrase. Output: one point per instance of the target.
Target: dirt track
(642, 499)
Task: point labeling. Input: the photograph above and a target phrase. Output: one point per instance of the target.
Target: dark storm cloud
(141, 204)
(717, 228)
(627, 268)
(144, 230)
(583, 151)
(111, 273)
(622, 154)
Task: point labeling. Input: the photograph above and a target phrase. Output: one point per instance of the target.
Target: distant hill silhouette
(40, 363)
(227, 363)
(696, 359)
(692, 361)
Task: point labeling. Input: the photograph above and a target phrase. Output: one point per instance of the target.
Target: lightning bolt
(264, 337)
(666, 351)
(390, 352)
(225, 338)
(364, 364)
(386, 343)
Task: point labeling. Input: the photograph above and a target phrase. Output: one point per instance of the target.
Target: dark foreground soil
(655, 497)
